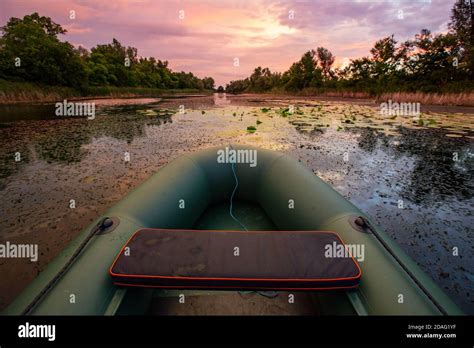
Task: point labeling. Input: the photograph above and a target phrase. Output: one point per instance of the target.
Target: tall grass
(112, 91)
(445, 98)
(24, 92)
(464, 98)
(20, 92)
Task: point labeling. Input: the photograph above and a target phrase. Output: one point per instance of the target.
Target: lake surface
(413, 176)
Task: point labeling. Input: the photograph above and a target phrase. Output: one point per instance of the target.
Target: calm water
(377, 163)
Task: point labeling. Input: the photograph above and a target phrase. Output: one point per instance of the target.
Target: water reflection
(220, 99)
(62, 140)
(10, 162)
(368, 138)
(443, 167)
(46, 111)
(12, 113)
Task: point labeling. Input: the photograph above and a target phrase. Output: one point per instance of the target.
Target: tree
(32, 42)
(431, 62)
(461, 24)
(208, 83)
(361, 69)
(304, 73)
(384, 58)
(326, 60)
(462, 27)
(116, 60)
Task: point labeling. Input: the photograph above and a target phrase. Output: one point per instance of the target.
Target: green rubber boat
(269, 191)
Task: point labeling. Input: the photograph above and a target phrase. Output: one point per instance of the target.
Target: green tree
(462, 28)
(115, 60)
(304, 73)
(431, 65)
(33, 43)
(326, 60)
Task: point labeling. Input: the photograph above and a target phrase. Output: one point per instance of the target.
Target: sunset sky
(258, 32)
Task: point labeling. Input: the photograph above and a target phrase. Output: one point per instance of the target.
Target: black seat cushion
(195, 259)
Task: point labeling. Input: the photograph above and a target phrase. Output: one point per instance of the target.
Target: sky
(205, 37)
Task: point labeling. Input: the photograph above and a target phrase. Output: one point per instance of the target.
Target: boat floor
(235, 303)
(252, 216)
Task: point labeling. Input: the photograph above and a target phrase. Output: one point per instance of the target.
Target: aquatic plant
(284, 112)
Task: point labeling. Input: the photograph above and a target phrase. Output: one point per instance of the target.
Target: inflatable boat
(232, 219)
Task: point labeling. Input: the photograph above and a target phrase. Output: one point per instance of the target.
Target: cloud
(258, 32)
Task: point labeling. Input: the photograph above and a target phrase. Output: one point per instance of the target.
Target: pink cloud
(258, 32)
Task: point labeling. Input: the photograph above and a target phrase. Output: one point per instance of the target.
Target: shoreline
(249, 98)
(23, 93)
(252, 99)
(105, 97)
(464, 99)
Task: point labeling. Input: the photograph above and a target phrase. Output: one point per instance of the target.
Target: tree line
(428, 63)
(31, 51)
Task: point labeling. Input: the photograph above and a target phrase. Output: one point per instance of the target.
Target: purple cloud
(258, 32)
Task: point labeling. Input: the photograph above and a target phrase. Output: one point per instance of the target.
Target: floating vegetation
(284, 112)
(366, 116)
(156, 112)
(148, 112)
(300, 123)
(251, 129)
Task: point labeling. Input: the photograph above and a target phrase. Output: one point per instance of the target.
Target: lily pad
(251, 129)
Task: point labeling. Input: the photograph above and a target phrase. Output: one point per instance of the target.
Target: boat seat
(234, 260)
